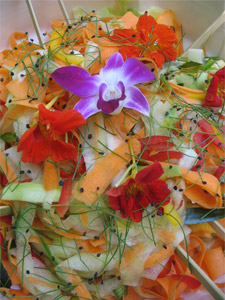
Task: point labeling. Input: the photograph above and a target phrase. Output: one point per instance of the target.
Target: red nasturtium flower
(216, 90)
(137, 193)
(46, 138)
(149, 39)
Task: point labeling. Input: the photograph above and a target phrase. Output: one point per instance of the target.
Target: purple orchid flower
(111, 90)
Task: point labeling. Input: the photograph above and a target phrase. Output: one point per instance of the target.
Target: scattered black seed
(58, 286)
(164, 246)
(15, 48)
(37, 298)
(181, 134)
(27, 126)
(81, 18)
(90, 136)
(50, 79)
(153, 69)
(27, 271)
(179, 108)
(69, 283)
(44, 33)
(153, 216)
(12, 74)
(21, 172)
(166, 113)
(159, 214)
(80, 248)
(2, 79)
(180, 190)
(98, 188)
(93, 36)
(53, 258)
(219, 144)
(95, 275)
(26, 32)
(61, 183)
(22, 75)
(180, 124)
(101, 153)
(198, 167)
(32, 40)
(10, 100)
(167, 78)
(195, 121)
(17, 139)
(204, 182)
(81, 190)
(84, 233)
(96, 237)
(64, 106)
(98, 255)
(206, 81)
(133, 35)
(100, 28)
(152, 203)
(172, 28)
(170, 167)
(126, 140)
(114, 230)
(80, 146)
(102, 282)
(175, 187)
(93, 11)
(174, 106)
(118, 277)
(27, 230)
(146, 12)
(72, 52)
(90, 281)
(173, 93)
(217, 195)
(29, 44)
(180, 84)
(16, 64)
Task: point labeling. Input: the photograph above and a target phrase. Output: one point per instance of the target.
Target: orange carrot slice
(50, 176)
(129, 20)
(95, 182)
(203, 189)
(215, 262)
(184, 89)
(7, 169)
(158, 256)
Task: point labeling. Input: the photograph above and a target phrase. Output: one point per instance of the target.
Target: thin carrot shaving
(36, 239)
(214, 262)
(158, 256)
(42, 283)
(7, 169)
(84, 219)
(98, 179)
(15, 294)
(98, 242)
(50, 176)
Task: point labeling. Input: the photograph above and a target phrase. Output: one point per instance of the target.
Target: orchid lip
(109, 106)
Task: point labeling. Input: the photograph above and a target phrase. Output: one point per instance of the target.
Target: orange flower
(149, 39)
(45, 138)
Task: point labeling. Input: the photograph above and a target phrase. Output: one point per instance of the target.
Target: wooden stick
(210, 286)
(64, 11)
(219, 229)
(34, 20)
(209, 31)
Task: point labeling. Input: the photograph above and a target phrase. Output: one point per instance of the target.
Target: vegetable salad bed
(112, 155)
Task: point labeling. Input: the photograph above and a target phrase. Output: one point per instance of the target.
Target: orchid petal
(136, 100)
(87, 106)
(76, 80)
(134, 72)
(114, 62)
(111, 72)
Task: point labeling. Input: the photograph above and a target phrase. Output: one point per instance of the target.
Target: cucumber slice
(30, 192)
(185, 80)
(196, 55)
(171, 172)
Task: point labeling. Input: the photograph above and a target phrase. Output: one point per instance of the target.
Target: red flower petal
(34, 145)
(62, 151)
(146, 23)
(61, 121)
(149, 174)
(158, 191)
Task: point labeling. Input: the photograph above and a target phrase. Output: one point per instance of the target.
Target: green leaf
(202, 215)
(9, 137)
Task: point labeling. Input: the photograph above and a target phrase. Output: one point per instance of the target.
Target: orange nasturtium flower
(148, 39)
